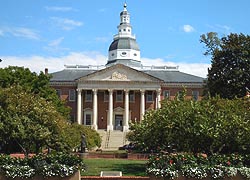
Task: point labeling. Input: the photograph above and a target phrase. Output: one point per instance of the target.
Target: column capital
(79, 90)
(142, 91)
(126, 91)
(110, 90)
(94, 90)
(158, 91)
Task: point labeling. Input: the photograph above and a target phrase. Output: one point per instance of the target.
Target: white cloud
(66, 24)
(59, 8)
(224, 29)
(39, 63)
(197, 69)
(20, 32)
(56, 42)
(188, 28)
(1, 33)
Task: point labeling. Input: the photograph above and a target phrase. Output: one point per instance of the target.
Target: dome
(124, 43)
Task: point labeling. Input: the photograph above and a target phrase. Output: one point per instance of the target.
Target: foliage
(229, 74)
(198, 166)
(72, 135)
(46, 165)
(32, 83)
(29, 121)
(212, 125)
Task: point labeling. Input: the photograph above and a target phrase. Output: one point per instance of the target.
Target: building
(109, 96)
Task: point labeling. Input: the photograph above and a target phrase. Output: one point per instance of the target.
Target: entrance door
(118, 122)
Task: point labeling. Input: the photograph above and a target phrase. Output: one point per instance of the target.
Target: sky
(40, 34)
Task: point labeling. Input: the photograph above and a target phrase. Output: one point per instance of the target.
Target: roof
(175, 76)
(71, 74)
(124, 43)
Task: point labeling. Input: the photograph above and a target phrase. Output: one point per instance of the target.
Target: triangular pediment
(119, 72)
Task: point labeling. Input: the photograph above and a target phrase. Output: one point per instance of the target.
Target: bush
(198, 166)
(45, 165)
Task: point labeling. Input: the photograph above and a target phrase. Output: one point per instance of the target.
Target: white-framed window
(119, 96)
(72, 95)
(88, 119)
(106, 96)
(166, 94)
(150, 96)
(195, 95)
(59, 92)
(88, 96)
(131, 96)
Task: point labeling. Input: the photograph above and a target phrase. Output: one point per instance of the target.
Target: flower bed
(199, 166)
(44, 166)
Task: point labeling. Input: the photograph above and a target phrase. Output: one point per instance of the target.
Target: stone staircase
(112, 140)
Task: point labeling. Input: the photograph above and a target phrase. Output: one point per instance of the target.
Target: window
(166, 94)
(72, 95)
(195, 95)
(59, 92)
(88, 96)
(72, 118)
(124, 29)
(180, 95)
(106, 96)
(150, 96)
(88, 119)
(119, 96)
(131, 96)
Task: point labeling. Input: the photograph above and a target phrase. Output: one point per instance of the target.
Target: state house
(107, 97)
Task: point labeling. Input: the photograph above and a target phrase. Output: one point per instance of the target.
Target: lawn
(128, 167)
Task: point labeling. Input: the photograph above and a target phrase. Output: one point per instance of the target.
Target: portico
(115, 88)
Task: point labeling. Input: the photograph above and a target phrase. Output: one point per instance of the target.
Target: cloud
(66, 24)
(224, 29)
(188, 28)
(197, 69)
(56, 42)
(59, 8)
(1, 33)
(20, 32)
(39, 63)
(102, 39)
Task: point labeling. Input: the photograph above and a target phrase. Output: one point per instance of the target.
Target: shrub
(45, 165)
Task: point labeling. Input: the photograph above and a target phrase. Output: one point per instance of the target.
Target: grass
(128, 167)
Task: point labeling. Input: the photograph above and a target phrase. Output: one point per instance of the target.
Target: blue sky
(42, 34)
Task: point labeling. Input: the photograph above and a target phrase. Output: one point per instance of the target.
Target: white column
(110, 122)
(79, 106)
(158, 99)
(126, 118)
(142, 110)
(95, 114)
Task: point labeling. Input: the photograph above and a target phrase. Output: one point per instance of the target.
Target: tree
(229, 74)
(212, 125)
(29, 121)
(33, 83)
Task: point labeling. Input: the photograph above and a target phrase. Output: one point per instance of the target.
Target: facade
(110, 96)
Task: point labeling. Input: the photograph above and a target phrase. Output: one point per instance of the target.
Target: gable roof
(73, 74)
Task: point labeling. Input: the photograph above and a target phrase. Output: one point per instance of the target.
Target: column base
(94, 126)
(110, 128)
(125, 128)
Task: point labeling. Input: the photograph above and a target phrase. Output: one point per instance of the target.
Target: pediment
(119, 72)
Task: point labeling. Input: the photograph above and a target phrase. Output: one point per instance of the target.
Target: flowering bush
(198, 166)
(46, 165)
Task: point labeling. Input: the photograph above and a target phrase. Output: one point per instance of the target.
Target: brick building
(109, 96)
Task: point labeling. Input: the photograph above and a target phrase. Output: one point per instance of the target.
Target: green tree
(230, 57)
(213, 125)
(33, 83)
(29, 121)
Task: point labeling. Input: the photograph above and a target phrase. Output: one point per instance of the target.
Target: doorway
(118, 122)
